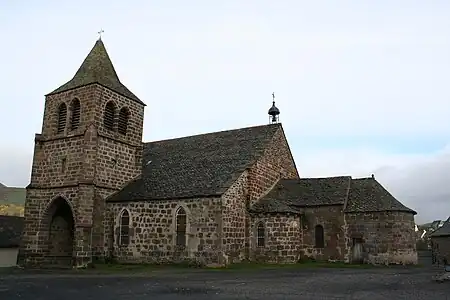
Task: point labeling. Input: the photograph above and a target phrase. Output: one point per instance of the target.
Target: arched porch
(58, 230)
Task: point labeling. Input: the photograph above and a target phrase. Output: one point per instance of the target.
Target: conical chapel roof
(97, 68)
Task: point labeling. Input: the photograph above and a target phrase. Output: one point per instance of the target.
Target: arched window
(124, 116)
(260, 235)
(319, 236)
(109, 116)
(124, 227)
(181, 227)
(62, 117)
(75, 108)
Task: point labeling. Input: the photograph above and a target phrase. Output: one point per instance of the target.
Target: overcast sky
(362, 85)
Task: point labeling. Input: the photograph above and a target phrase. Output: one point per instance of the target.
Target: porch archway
(60, 230)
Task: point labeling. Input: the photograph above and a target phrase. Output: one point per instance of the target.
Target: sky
(362, 86)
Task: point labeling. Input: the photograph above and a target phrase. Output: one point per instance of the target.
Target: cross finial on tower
(100, 34)
(273, 96)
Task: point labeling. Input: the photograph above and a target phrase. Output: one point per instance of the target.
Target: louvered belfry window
(110, 111)
(124, 116)
(75, 108)
(62, 117)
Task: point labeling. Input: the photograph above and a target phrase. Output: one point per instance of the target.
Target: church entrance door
(357, 251)
(60, 241)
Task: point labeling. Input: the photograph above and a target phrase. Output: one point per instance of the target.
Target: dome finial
(273, 111)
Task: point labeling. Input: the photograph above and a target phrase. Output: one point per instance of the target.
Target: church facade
(97, 192)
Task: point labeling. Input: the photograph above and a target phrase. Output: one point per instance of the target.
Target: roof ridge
(98, 68)
(327, 177)
(212, 133)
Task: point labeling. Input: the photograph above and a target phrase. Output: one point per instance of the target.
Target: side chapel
(97, 192)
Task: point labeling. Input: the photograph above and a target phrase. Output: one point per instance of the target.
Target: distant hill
(12, 200)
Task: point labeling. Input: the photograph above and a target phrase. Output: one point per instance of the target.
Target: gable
(196, 166)
(368, 195)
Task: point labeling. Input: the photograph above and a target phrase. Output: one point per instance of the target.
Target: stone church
(97, 192)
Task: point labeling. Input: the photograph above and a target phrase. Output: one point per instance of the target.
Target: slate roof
(10, 231)
(294, 193)
(444, 230)
(367, 194)
(358, 195)
(196, 166)
(97, 68)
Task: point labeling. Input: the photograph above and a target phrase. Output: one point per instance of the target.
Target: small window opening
(75, 108)
(109, 115)
(124, 116)
(124, 238)
(181, 228)
(261, 235)
(62, 117)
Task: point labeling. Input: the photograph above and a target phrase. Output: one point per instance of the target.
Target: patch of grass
(246, 266)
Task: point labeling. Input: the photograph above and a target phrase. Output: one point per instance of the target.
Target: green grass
(249, 266)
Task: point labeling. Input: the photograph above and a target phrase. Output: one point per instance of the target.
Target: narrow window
(75, 109)
(63, 165)
(124, 116)
(181, 227)
(110, 112)
(319, 236)
(124, 237)
(62, 117)
(260, 235)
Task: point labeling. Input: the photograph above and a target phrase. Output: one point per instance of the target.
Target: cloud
(420, 181)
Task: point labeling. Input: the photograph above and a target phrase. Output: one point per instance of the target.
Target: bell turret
(274, 112)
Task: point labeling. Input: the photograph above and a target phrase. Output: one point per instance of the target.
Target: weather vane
(100, 34)
(273, 96)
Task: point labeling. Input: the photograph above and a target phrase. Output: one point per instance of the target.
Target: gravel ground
(274, 284)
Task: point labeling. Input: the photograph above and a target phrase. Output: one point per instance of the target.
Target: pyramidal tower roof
(97, 68)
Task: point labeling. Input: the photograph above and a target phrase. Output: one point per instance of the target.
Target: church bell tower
(90, 146)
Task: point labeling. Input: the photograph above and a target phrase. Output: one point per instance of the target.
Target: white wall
(8, 257)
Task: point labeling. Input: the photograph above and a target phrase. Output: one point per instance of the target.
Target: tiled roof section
(98, 68)
(444, 230)
(10, 231)
(303, 193)
(196, 166)
(12, 195)
(368, 195)
(274, 206)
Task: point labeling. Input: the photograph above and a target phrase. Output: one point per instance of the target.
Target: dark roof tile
(199, 165)
(368, 195)
(305, 192)
(359, 195)
(97, 68)
(444, 230)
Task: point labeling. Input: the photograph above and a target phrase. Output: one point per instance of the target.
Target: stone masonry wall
(276, 162)
(441, 248)
(387, 237)
(331, 219)
(152, 233)
(283, 237)
(235, 221)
